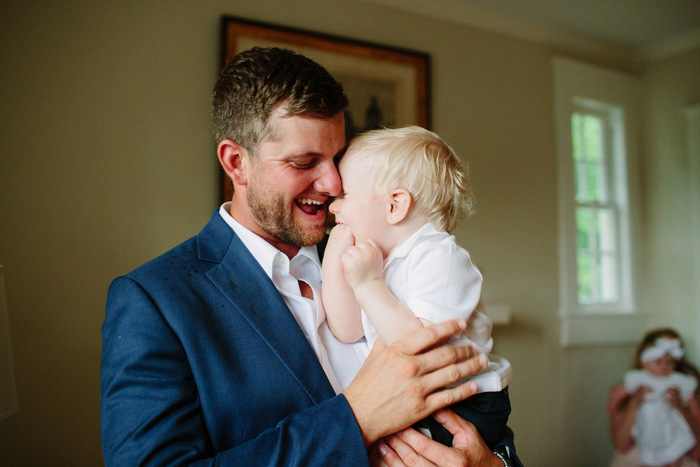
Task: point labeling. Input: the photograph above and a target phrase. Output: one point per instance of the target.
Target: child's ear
(234, 159)
(399, 207)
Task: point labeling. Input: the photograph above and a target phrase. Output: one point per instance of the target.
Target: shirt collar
(402, 250)
(405, 248)
(263, 252)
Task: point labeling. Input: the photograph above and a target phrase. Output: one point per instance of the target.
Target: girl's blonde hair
(420, 162)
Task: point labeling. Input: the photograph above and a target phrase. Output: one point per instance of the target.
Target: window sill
(582, 330)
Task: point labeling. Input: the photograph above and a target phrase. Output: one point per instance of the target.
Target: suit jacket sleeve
(159, 398)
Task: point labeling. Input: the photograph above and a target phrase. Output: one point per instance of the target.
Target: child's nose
(334, 206)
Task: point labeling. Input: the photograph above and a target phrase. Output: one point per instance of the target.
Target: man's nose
(329, 181)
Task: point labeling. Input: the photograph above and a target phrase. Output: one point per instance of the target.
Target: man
(217, 353)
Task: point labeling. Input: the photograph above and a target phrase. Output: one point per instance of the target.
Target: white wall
(106, 160)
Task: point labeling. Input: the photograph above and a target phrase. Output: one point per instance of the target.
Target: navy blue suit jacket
(204, 364)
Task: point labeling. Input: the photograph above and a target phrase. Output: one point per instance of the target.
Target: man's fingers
(444, 355)
(428, 336)
(406, 452)
(388, 456)
(450, 396)
(451, 421)
(377, 348)
(452, 372)
(466, 436)
(419, 381)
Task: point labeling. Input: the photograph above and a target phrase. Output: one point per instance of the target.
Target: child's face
(662, 366)
(359, 206)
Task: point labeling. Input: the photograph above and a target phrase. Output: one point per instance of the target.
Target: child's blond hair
(420, 162)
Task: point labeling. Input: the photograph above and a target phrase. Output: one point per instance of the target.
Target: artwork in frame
(386, 86)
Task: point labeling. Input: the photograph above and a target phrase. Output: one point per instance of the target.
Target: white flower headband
(662, 346)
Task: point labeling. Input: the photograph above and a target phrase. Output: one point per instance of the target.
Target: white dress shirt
(339, 361)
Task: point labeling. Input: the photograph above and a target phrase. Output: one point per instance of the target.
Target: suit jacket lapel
(241, 279)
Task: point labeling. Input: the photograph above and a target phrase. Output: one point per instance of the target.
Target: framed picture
(386, 86)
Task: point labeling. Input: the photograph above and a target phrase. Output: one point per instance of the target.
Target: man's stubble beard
(274, 215)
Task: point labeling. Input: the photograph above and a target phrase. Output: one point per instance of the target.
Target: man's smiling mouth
(310, 206)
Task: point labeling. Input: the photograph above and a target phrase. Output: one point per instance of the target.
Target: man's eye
(303, 165)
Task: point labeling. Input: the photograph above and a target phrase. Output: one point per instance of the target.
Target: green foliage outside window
(595, 225)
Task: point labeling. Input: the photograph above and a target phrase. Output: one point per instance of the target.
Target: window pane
(591, 138)
(597, 258)
(585, 226)
(588, 143)
(585, 278)
(597, 278)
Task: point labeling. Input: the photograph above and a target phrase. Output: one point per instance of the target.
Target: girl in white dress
(655, 414)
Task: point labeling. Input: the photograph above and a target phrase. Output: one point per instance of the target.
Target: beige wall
(672, 86)
(106, 160)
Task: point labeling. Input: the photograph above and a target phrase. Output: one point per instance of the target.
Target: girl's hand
(362, 263)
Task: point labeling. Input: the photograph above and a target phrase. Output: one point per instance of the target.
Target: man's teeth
(310, 201)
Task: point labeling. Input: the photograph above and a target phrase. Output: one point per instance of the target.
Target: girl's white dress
(661, 432)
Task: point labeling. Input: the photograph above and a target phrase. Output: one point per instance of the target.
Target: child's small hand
(339, 240)
(362, 263)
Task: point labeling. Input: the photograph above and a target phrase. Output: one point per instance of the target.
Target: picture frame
(386, 86)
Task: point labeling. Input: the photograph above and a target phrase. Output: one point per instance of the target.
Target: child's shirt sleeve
(444, 284)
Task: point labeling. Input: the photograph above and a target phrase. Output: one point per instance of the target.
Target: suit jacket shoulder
(203, 360)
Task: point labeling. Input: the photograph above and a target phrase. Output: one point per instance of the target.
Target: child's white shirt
(437, 280)
(662, 433)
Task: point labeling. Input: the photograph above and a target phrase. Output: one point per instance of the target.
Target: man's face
(291, 179)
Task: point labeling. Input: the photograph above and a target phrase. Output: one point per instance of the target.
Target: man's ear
(400, 205)
(235, 161)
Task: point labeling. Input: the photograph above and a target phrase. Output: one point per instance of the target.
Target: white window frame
(617, 96)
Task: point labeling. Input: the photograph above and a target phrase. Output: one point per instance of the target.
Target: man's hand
(673, 397)
(398, 385)
(637, 397)
(411, 448)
